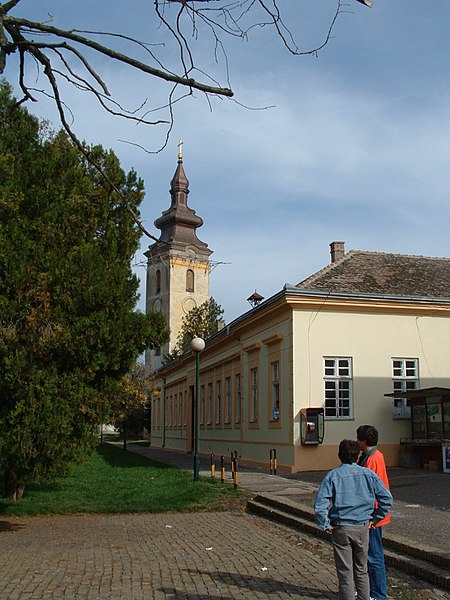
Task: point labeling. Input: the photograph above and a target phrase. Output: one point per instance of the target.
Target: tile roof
(360, 272)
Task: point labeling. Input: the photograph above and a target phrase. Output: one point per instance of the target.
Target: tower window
(189, 280)
(158, 281)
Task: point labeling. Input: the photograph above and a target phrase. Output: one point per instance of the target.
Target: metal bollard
(273, 462)
(222, 469)
(233, 455)
(235, 472)
(213, 466)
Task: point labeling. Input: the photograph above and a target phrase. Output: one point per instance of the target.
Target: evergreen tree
(68, 327)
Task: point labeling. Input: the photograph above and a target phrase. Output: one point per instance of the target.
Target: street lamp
(197, 345)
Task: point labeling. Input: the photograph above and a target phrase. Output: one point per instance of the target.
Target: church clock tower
(177, 264)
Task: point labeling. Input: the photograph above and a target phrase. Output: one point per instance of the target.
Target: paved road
(421, 511)
(194, 556)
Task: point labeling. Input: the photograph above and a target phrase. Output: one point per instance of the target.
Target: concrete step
(422, 562)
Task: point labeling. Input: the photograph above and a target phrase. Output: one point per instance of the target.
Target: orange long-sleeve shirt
(375, 462)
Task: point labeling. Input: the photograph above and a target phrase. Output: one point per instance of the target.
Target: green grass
(114, 481)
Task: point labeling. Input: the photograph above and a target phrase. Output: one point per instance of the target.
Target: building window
(338, 388)
(210, 403)
(202, 405)
(228, 400)
(189, 280)
(275, 370)
(219, 402)
(158, 351)
(405, 377)
(238, 399)
(254, 395)
(158, 281)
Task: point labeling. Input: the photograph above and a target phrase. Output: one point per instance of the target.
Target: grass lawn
(113, 481)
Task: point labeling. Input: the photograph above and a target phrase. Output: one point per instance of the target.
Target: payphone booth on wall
(312, 426)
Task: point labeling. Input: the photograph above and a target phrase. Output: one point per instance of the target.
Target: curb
(421, 561)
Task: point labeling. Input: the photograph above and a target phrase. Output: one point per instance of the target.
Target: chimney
(337, 251)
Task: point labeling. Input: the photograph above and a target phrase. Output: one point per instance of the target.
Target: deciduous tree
(202, 321)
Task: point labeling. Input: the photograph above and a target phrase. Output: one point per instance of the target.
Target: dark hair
(348, 451)
(367, 434)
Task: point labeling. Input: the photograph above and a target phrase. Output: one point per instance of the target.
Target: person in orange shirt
(373, 459)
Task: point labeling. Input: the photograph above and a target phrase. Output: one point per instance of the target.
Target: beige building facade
(366, 325)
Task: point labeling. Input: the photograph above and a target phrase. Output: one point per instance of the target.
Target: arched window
(189, 280)
(158, 281)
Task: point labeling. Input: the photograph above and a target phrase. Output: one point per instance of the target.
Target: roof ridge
(325, 269)
(397, 254)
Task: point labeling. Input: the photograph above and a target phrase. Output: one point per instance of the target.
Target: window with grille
(228, 400)
(238, 399)
(254, 405)
(275, 370)
(189, 280)
(202, 405)
(219, 401)
(405, 377)
(338, 388)
(210, 403)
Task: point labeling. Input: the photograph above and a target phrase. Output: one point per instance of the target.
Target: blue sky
(356, 148)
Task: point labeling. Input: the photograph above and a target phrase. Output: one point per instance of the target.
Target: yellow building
(367, 324)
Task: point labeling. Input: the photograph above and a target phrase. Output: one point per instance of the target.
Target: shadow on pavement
(264, 584)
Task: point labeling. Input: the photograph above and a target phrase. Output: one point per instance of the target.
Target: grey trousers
(350, 545)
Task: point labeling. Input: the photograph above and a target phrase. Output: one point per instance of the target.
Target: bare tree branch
(69, 55)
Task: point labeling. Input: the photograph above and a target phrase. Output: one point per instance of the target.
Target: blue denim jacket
(351, 490)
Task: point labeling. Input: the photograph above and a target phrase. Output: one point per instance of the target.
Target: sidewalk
(193, 556)
(417, 540)
(421, 510)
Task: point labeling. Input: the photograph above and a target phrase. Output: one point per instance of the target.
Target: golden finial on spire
(180, 149)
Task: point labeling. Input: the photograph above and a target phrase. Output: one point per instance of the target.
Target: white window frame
(405, 377)
(338, 375)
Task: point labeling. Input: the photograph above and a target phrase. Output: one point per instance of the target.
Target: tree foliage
(128, 403)
(68, 328)
(202, 321)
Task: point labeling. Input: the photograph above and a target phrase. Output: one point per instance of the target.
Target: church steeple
(178, 223)
(178, 264)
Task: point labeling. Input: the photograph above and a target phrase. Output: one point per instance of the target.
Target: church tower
(177, 264)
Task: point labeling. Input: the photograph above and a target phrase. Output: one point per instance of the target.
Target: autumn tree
(68, 327)
(128, 404)
(201, 321)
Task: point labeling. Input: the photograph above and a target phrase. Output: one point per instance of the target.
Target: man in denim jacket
(345, 507)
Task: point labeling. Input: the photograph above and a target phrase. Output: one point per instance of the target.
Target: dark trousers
(350, 545)
(376, 566)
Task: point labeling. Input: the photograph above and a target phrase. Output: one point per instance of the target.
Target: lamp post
(197, 345)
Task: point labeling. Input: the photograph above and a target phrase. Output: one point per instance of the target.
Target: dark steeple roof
(359, 272)
(178, 223)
